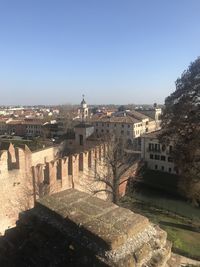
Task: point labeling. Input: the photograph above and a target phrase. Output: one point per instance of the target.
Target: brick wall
(26, 176)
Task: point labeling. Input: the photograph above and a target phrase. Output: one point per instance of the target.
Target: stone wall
(16, 190)
(72, 228)
(26, 176)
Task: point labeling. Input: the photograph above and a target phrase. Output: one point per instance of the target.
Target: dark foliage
(181, 123)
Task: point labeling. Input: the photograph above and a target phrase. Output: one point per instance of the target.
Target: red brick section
(131, 173)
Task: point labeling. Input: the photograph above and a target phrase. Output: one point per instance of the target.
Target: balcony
(154, 150)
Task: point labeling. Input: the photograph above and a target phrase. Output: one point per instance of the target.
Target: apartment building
(3, 126)
(33, 128)
(157, 156)
(127, 125)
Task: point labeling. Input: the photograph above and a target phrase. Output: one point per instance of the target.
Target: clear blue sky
(114, 51)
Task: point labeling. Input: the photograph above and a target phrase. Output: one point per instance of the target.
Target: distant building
(154, 113)
(23, 127)
(126, 125)
(157, 156)
(82, 132)
(33, 128)
(83, 112)
(3, 126)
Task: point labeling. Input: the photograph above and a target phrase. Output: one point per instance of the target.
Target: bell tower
(84, 109)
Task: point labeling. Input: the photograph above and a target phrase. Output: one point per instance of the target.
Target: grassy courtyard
(184, 232)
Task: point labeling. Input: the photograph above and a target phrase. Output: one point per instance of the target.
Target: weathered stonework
(95, 232)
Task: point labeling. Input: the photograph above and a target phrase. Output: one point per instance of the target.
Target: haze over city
(118, 52)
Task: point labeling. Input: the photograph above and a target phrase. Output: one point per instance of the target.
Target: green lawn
(167, 203)
(185, 241)
(161, 180)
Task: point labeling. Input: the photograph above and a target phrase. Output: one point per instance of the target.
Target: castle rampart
(25, 176)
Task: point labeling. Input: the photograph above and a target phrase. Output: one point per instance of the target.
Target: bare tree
(30, 191)
(67, 113)
(113, 169)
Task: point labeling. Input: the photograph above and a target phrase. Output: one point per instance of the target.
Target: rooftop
(127, 116)
(154, 134)
(113, 119)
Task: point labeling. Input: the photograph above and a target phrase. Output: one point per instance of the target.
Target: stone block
(105, 235)
(125, 221)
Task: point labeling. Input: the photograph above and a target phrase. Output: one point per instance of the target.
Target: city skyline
(115, 53)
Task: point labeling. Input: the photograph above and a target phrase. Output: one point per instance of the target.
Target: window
(163, 147)
(147, 122)
(96, 124)
(157, 157)
(108, 125)
(163, 158)
(156, 167)
(115, 125)
(122, 125)
(170, 170)
(102, 131)
(162, 168)
(107, 131)
(129, 126)
(122, 132)
(128, 133)
(157, 147)
(81, 140)
(96, 130)
(151, 156)
(170, 159)
(102, 124)
(151, 147)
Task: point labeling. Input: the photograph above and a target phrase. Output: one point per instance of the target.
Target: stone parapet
(81, 230)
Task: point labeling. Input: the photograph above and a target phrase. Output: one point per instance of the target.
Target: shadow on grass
(180, 226)
(145, 208)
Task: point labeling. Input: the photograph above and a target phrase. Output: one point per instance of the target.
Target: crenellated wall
(16, 181)
(25, 176)
(75, 171)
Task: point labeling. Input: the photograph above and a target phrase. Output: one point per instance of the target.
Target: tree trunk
(115, 193)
